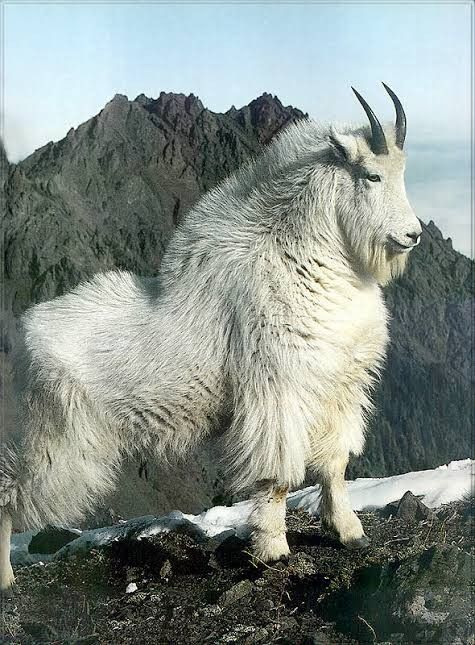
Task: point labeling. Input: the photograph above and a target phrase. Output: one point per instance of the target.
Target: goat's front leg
(267, 520)
(335, 508)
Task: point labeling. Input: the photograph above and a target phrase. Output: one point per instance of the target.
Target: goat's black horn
(378, 140)
(401, 124)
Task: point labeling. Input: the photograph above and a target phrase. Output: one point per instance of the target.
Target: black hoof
(360, 543)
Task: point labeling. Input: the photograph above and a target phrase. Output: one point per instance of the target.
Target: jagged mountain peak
(171, 103)
(434, 230)
(119, 98)
(4, 164)
(118, 104)
(257, 122)
(265, 116)
(266, 98)
(172, 106)
(3, 153)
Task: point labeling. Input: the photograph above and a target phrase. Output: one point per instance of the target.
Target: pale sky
(64, 61)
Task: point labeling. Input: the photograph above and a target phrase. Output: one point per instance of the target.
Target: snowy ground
(442, 485)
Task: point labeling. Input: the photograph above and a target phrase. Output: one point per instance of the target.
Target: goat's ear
(344, 146)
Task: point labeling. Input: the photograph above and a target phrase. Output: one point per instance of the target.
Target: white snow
(442, 485)
(436, 487)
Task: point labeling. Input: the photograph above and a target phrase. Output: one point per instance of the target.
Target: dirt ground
(203, 591)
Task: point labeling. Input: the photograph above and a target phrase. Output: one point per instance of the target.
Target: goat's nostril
(413, 236)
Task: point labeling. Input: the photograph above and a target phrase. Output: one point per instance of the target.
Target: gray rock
(235, 593)
(432, 591)
(166, 570)
(302, 565)
(409, 508)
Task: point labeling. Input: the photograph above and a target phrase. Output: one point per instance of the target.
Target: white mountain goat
(267, 309)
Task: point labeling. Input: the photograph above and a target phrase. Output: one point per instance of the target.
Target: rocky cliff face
(110, 195)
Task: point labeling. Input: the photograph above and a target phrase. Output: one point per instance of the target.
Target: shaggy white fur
(267, 310)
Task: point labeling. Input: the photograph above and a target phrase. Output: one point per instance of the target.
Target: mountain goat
(267, 310)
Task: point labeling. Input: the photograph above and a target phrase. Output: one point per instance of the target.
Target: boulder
(409, 508)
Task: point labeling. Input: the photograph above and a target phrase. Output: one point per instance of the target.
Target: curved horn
(378, 140)
(400, 118)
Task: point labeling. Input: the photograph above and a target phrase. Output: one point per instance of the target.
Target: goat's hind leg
(267, 521)
(6, 572)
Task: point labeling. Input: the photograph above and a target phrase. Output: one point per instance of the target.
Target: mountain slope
(111, 193)
(425, 403)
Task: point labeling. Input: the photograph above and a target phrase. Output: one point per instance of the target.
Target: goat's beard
(388, 265)
(381, 262)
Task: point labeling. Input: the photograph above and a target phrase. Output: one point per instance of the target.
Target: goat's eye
(370, 177)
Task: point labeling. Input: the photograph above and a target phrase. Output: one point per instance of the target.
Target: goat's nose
(414, 236)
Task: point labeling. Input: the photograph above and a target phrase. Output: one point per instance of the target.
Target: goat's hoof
(358, 543)
(8, 592)
(7, 589)
(271, 550)
(7, 579)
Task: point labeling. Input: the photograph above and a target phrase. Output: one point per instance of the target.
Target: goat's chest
(348, 338)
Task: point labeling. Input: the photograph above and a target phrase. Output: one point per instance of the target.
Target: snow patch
(439, 486)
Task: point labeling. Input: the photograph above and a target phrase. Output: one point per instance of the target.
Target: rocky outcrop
(425, 598)
(412, 585)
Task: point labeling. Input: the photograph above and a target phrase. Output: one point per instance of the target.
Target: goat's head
(372, 208)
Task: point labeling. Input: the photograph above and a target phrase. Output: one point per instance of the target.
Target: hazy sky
(64, 61)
